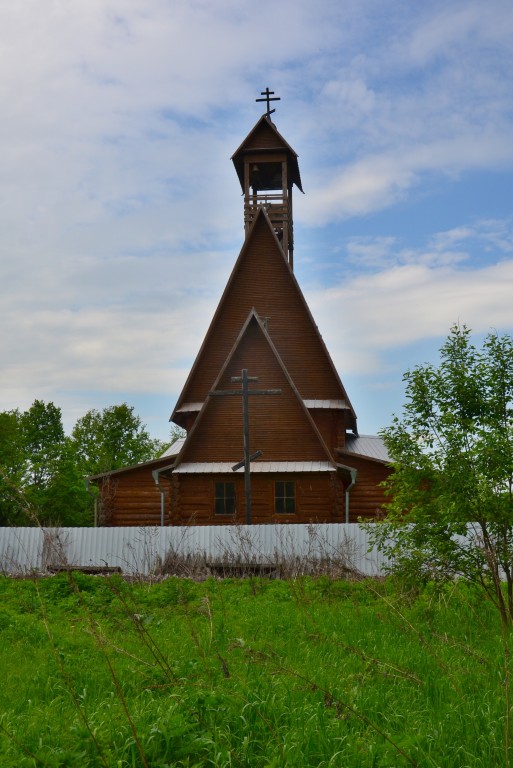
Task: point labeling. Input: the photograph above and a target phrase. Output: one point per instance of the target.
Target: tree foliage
(43, 441)
(13, 468)
(451, 509)
(111, 439)
(42, 470)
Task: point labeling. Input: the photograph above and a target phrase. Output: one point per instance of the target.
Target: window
(224, 500)
(284, 497)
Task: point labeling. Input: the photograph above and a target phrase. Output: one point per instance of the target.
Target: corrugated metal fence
(143, 550)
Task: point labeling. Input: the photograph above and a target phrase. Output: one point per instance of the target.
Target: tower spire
(267, 168)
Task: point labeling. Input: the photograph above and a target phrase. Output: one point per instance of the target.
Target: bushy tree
(67, 500)
(42, 471)
(451, 508)
(13, 468)
(39, 482)
(43, 441)
(176, 433)
(111, 439)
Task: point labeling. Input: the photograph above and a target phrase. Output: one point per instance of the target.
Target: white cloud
(459, 26)
(368, 316)
(120, 213)
(378, 181)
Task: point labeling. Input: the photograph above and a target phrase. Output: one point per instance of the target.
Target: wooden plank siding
(279, 424)
(263, 137)
(331, 424)
(262, 280)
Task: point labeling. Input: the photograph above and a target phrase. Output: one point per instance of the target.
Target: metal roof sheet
(369, 446)
(258, 466)
(188, 407)
(338, 404)
(175, 448)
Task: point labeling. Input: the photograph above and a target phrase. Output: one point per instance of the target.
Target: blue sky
(121, 214)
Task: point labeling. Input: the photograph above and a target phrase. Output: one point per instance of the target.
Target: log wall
(367, 498)
(319, 498)
(132, 498)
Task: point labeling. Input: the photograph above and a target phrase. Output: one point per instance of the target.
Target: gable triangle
(279, 424)
(262, 278)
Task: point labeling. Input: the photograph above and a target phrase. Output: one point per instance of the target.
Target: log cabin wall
(319, 498)
(367, 498)
(130, 497)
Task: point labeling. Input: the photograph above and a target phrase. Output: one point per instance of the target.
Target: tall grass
(307, 672)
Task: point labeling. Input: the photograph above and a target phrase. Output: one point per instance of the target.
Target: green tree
(111, 439)
(451, 509)
(42, 471)
(66, 501)
(52, 487)
(13, 467)
(43, 441)
(39, 480)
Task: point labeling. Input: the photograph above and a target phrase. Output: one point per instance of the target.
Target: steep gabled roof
(265, 137)
(263, 279)
(280, 425)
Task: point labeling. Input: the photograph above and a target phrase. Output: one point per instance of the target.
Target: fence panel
(21, 549)
(142, 550)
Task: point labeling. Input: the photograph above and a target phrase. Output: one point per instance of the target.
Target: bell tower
(268, 168)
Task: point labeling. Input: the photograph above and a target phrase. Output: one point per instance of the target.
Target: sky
(121, 214)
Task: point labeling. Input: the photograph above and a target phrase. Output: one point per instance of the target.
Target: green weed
(98, 672)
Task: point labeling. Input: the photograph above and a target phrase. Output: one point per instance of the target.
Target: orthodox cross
(245, 392)
(268, 97)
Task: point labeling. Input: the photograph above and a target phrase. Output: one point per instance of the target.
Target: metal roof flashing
(215, 467)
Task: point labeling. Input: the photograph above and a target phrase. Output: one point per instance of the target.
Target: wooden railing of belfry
(277, 208)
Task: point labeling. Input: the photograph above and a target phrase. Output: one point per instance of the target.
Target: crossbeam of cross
(245, 393)
(268, 97)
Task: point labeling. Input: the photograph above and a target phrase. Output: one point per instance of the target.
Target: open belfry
(271, 435)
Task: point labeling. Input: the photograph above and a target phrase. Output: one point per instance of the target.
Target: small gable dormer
(268, 168)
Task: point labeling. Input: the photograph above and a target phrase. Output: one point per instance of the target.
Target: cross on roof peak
(268, 97)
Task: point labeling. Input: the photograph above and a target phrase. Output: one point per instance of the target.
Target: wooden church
(271, 435)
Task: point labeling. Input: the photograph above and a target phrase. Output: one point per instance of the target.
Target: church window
(224, 500)
(284, 497)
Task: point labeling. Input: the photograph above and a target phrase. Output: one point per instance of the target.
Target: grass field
(98, 672)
